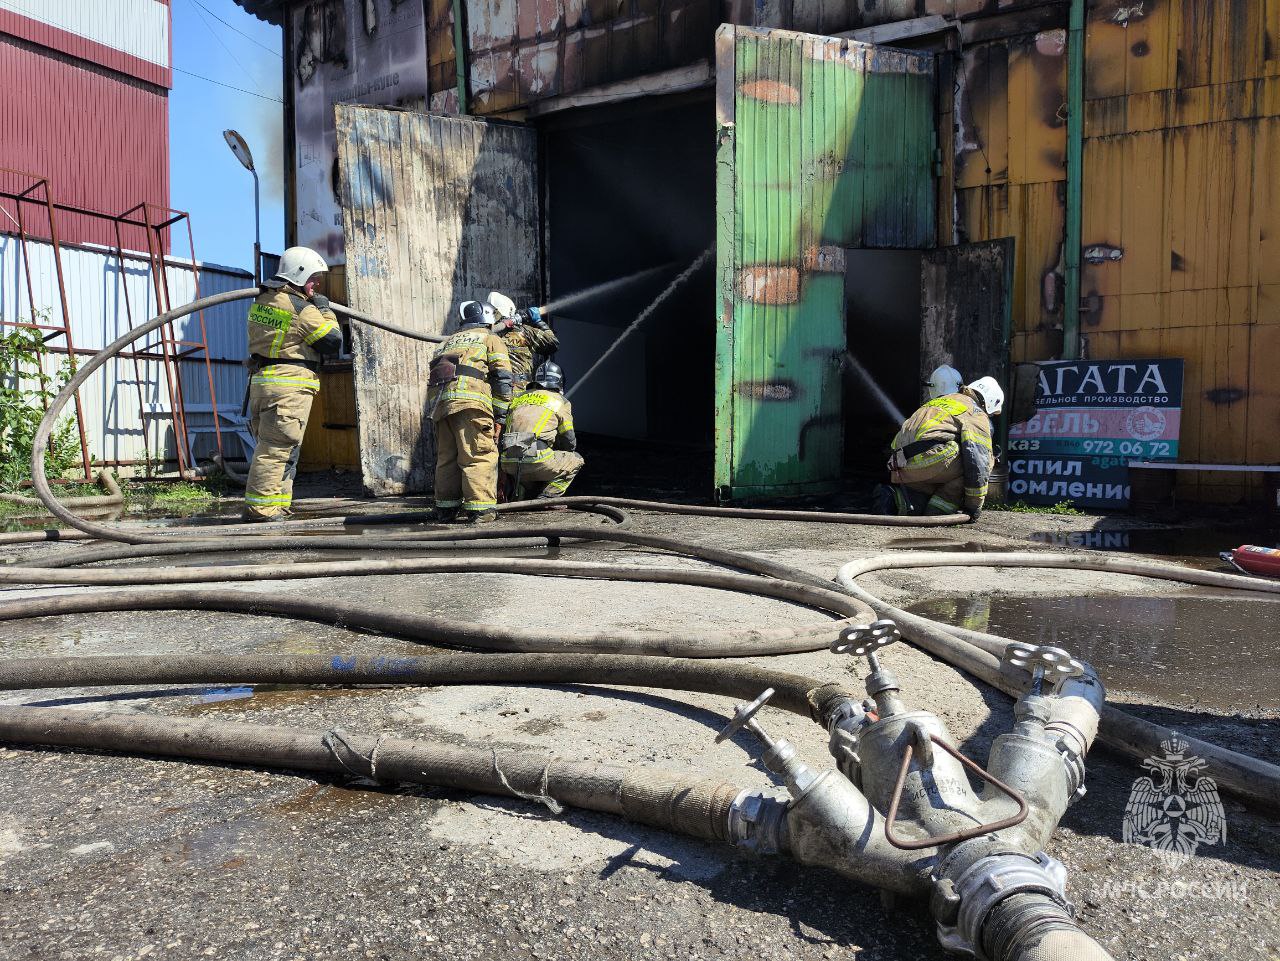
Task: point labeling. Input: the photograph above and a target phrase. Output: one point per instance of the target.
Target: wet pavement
(1196, 546)
(135, 856)
(1203, 650)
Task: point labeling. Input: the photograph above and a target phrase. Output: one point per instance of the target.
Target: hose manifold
(963, 906)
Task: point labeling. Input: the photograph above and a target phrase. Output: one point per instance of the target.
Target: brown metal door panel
(966, 302)
(436, 210)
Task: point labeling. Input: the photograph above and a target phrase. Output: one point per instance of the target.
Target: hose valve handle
(1043, 662)
(744, 717)
(865, 640)
(779, 756)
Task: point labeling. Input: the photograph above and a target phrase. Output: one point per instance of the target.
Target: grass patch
(1020, 507)
(178, 495)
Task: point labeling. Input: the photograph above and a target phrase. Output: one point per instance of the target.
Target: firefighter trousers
(936, 489)
(553, 475)
(466, 460)
(278, 416)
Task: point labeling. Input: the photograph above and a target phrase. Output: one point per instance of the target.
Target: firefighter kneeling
(539, 447)
(942, 456)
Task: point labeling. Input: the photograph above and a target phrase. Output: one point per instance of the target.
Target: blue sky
(205, 179)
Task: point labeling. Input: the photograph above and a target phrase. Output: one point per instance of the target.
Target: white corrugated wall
(100, 297)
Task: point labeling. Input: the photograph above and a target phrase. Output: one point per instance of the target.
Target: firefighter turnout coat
(539, 446)
(944, 451)
(288, 334)
(468, 389)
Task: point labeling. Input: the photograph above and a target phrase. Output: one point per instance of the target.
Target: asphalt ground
(120, 857)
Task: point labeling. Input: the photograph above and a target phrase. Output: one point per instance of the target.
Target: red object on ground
(1254, 560)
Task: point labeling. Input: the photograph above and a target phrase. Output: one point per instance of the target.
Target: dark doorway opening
(882, 372)
(630, 190)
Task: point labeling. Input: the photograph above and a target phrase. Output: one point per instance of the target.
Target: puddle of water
(1185, 650)
(1198, 546)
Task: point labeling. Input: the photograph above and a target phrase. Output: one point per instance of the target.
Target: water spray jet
(645, 314)
(852, 364)
(560, 304)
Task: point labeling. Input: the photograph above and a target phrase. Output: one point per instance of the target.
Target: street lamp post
(241, 150)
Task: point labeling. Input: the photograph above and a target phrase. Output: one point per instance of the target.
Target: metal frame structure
(170, 350)
(63, 329)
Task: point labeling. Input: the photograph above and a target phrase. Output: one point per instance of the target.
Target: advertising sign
(1091, 418)
(346, 51)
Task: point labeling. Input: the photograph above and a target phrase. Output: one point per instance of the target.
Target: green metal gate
(823, 144)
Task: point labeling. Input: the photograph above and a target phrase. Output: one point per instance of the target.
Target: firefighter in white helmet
(942, 456)
(526, 334)
(944, 380)
(290, 329)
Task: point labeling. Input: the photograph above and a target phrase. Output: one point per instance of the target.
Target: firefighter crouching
(942, 456)
(539, 449)
(525, 335)
(290, 328)
(468, 389)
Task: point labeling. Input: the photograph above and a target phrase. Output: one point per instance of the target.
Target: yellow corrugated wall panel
(1266, 201)
(1144, 215)
(1034, 214)
(1037, 79)
(1102, 213)
(983, 116)
(1264, 395)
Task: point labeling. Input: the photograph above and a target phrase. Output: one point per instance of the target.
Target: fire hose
(1029, 917)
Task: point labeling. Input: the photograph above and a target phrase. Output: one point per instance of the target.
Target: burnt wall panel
(436, 210)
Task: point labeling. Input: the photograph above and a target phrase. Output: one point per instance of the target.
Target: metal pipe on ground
(113, 497)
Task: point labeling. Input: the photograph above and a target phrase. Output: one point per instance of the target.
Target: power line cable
(243, 68)
(236, 29)
(260, 96)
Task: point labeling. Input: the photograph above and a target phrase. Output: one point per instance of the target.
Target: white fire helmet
(300, 264)
(944, 380)
(502, 305)
(991, 394)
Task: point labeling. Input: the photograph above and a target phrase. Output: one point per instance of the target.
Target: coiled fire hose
(654, 802)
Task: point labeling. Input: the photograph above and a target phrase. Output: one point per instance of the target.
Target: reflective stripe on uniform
(320, 332)
(942, 505)
(309, 380)
(455, 393)
(974, 437)
(447, 504)
(556, 487)
(947, 408)
(268, 500)
(945, 451)
(976, 492)
(479, 505)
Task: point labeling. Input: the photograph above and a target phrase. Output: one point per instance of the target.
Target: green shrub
(25, 392)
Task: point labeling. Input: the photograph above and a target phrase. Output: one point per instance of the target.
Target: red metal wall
(100, 137)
